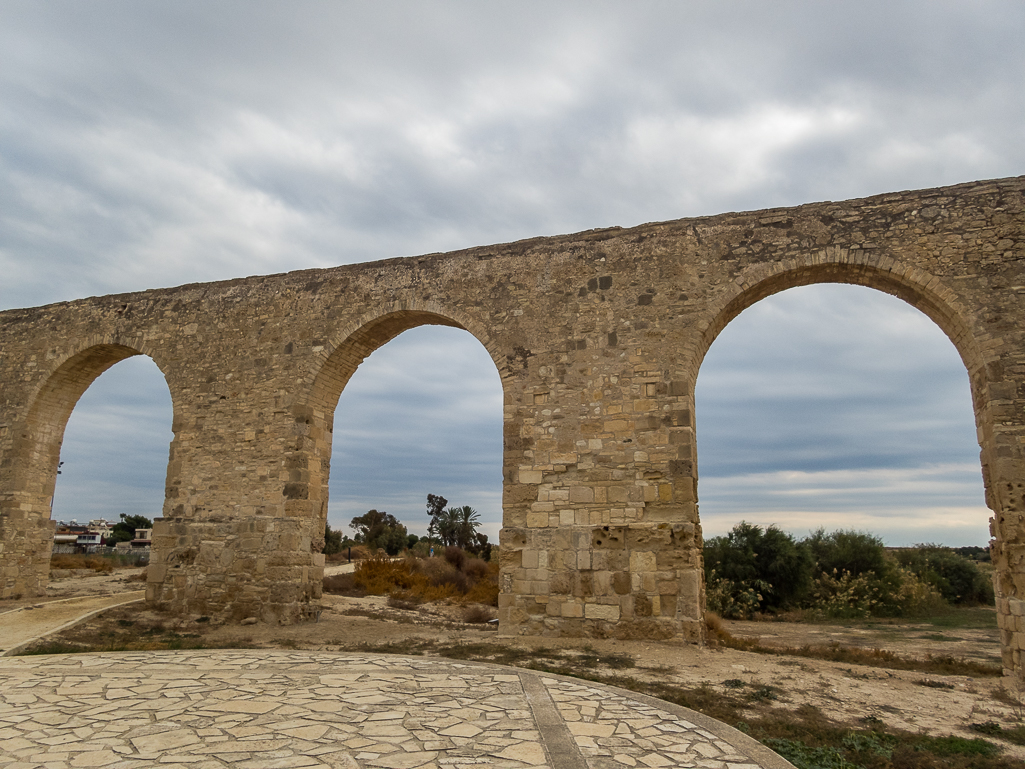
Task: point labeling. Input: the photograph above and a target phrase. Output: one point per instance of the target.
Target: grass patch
(52, 647)
(964, 618)
(356, 611)
(118, 642)
(121, 629)
(944, 664)
(1016, 734)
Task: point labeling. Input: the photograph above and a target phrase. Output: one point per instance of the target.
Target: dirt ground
(844, 692)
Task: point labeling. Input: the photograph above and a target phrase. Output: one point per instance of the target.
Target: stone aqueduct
(598, 338)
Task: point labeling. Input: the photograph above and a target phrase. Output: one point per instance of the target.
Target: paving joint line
(556, 738)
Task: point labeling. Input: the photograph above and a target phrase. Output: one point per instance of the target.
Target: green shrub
(958, 579)
(854, 552)
(845, 596)
(767, 563)
(838, 575)
(904, 594)
(733, 600)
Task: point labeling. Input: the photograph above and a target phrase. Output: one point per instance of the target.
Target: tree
(466, 522)
(380, 530)
(332, 540)
(435, 509)
(448, 526)
(124, 530)
(481, 546)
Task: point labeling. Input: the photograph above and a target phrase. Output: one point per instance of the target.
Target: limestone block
(537, 520)
(642, 561)
(621, 583)
(609, 613)
(572, 609)
(529, 475)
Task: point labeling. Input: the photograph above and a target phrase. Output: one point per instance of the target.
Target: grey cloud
(144, 145)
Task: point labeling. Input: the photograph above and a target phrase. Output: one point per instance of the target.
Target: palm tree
(448, 526)
(468, 520)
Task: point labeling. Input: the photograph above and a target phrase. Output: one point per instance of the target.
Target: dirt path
(22, 625)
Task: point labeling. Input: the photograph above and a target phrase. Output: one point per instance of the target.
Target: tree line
(378, 530)
(839, 574)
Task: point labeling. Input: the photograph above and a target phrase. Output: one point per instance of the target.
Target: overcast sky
(150, 144)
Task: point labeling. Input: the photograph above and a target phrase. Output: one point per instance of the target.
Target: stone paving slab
(266, 709)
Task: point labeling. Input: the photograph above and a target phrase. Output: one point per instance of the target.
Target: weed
(69, 561)
(733, 683)
(613, 661)
(1015, 734)
(934, 684)
(955, 746)
(1000, 694)
(420, 580)
(991, 728)
(964, 618)
(53, 647)
(477, 614)
(874, 743)
(399, 603)
(939, 637)
(343, 584)
(806, 757)
(947, 665)
(764, 694)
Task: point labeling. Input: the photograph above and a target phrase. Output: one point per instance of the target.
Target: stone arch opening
(838, 407)
(941, 305)
(114, 455)
(341, 363)
(30, 481)
(920, 290)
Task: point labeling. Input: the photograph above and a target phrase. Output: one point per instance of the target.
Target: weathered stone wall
(598, 338)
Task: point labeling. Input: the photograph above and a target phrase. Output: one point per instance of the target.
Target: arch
(916, 287)
(309, 465)
(829, 415)
(921, 290)
(352, 344)
(25, 505)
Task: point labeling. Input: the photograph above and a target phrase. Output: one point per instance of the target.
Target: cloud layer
(146, 145)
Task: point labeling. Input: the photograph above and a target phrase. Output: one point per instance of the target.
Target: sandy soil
(847, 693)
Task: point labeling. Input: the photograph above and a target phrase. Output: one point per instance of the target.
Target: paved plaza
(258, 709)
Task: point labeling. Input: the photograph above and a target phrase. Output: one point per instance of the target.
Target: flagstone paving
(267, 709)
